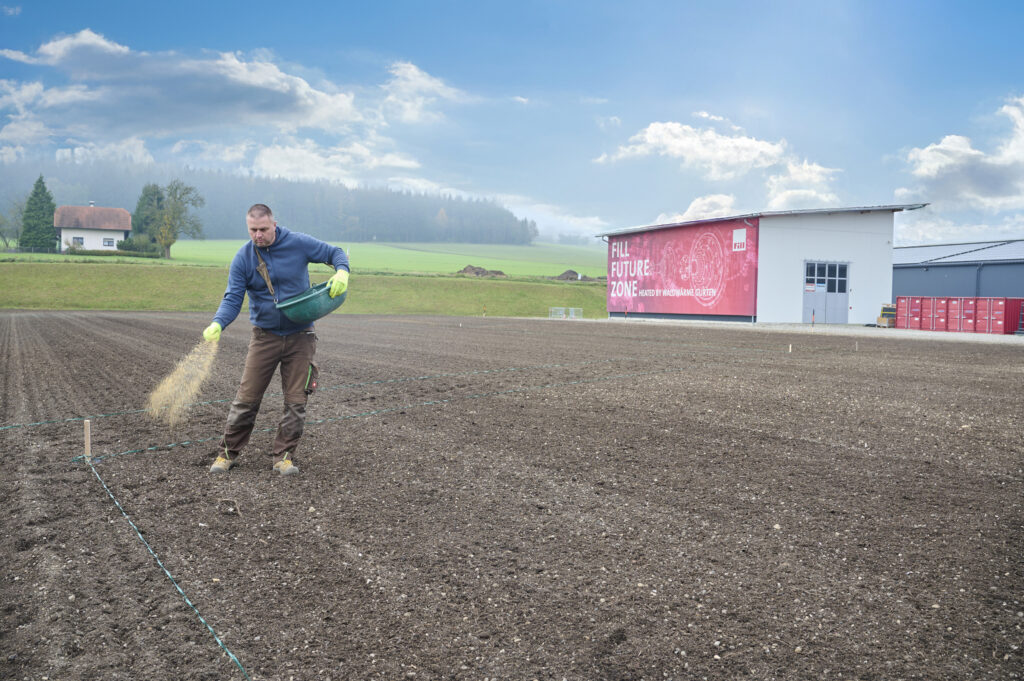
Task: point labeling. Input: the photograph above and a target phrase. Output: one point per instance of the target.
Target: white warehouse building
(829, 265)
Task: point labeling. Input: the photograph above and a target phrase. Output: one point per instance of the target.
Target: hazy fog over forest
(327, 210)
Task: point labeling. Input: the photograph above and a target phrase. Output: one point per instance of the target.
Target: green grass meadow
(537, 260)
(112, 286)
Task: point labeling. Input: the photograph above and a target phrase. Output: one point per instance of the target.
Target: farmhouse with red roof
(94, 228)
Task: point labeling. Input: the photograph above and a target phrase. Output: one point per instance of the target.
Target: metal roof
(981, 251)
(895, 208)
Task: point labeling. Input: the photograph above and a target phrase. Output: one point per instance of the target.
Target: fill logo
(739, 239)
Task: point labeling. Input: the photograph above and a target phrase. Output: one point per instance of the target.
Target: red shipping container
(902, 312)
(1013, 309)
(981, 315)
(916, 304)
(968, 308)
(953, 316)
(999, 315)
(927, 308)
(990, 316)
(940, 312)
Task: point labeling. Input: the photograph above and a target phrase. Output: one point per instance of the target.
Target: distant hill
(324, 209)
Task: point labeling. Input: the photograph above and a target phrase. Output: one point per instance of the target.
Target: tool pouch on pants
(311, 378)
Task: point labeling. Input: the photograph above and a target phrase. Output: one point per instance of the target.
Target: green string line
(389, 410)
(166, 572)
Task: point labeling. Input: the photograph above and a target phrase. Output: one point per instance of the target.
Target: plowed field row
(500, 498)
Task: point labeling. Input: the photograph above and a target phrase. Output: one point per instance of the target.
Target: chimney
(92, 204)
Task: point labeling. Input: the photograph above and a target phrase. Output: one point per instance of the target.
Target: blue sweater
(287, 261)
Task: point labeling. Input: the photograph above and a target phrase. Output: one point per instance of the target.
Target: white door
(826, 293)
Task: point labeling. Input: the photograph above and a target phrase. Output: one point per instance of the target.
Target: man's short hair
(259, 210)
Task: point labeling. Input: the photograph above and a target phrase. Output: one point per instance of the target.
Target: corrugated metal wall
(990, 279)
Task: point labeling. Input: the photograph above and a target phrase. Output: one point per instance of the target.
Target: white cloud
(132, 150)
(74, 94)
(11, 11)
(23, 96)
(11, 154)
(929, 229)
(708, 116)
(717, 119)
(952, 151)
(552, 220)
(608, 122)
(366, 156)
(702, 208)
(954, 174)
(144, 94)
(24, 129)
(303, 160)
(207, 108)
(411, 92)
(422, 185)
(15, 55)
(802, 185)
(19, 96)
(720, 157)
(211, 151)
(292, 102)
(521, 100)
(62, 48)
(307, 160)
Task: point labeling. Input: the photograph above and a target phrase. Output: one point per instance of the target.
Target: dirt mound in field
(573, 275)
(474, 271)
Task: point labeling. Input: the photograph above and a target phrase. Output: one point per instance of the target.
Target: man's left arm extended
(336, 258)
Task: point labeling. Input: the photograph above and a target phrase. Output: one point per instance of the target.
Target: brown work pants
(267, 350)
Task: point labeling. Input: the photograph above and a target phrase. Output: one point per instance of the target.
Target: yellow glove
(337, 284)
(212, 332)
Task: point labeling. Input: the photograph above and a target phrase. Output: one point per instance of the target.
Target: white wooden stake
(791, 347)
(88, 440)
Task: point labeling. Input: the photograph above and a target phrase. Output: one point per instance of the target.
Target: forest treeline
(326, 210)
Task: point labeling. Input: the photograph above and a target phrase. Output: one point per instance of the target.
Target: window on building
(78, 241)
(108, 242)
(828, 276)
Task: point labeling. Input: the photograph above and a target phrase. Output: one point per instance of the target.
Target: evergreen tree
(37, 224)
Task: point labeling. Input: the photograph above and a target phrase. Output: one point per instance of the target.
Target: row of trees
(327, 210)
(162, 215)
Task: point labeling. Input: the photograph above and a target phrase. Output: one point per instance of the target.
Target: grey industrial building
(982, 269)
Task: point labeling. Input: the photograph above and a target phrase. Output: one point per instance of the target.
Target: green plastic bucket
(311, 305)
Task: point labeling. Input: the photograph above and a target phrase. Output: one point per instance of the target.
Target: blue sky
(584, 116)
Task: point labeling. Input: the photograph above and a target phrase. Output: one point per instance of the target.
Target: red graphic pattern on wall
(706, 269)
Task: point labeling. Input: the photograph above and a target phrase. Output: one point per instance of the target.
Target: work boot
(223, 463)
(285, 466)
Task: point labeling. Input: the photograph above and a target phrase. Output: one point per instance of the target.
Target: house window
(78, 241)
(108, 243)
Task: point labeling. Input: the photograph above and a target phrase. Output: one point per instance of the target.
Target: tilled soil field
(516, 499)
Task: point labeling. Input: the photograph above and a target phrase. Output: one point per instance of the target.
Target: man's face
(261, 230)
